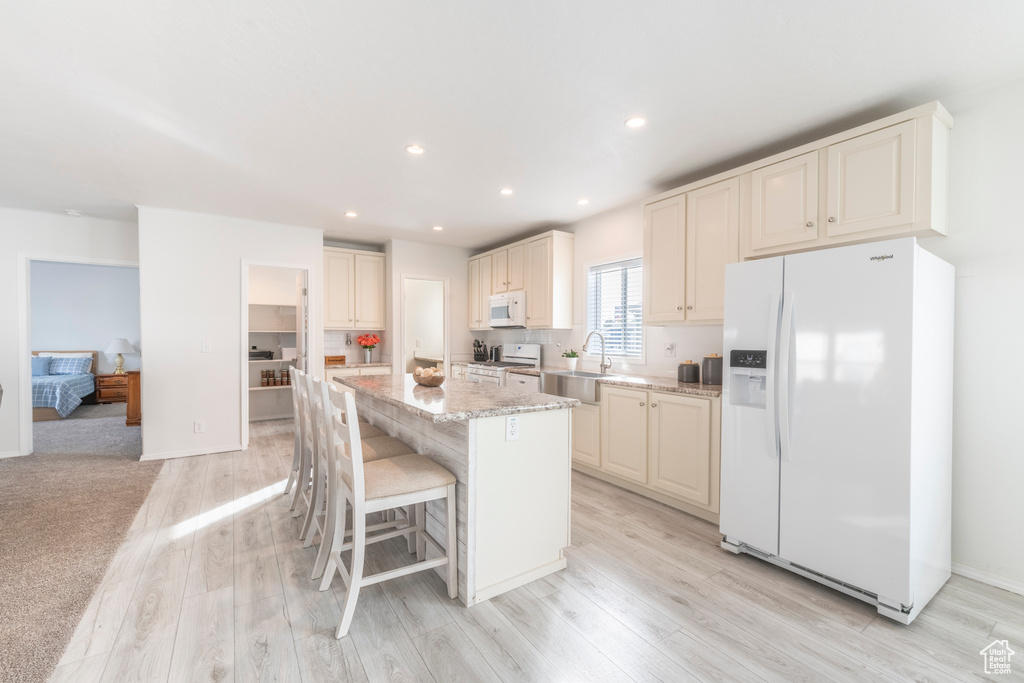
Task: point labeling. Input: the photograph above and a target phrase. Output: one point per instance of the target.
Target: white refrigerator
(836, 419)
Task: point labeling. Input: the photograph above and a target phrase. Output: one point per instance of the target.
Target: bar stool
(296, 468)
(378, 486)
(376, 448)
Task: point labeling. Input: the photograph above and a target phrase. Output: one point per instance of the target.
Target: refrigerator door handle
(771, 382)
(787, 333)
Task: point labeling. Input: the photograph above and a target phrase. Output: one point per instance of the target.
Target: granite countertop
(377, 364)
(455, 400)
(667, 384)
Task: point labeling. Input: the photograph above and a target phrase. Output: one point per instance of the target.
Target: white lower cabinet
(664, 445)
(331, 373)
(624, 433)
(586, 435)
(458, 370)
(680, 446)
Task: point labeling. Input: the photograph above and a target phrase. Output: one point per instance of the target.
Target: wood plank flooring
(211, 584)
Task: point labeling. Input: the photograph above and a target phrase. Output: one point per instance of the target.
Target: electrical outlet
(199, 426)
(670, 350)
(511, 428)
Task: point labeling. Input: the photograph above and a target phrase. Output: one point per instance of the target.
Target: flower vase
(570, 363)
(367, 353)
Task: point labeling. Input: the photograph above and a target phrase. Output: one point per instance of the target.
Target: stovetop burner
(500, 364)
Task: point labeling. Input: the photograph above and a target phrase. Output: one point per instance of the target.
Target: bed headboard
(95, 357)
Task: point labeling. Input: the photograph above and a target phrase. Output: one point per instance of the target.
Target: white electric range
(513, 356)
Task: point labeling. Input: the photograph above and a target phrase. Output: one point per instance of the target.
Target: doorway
(275, 333)
(424, 322)
(80, 341)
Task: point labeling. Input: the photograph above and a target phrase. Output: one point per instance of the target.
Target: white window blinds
(614, 307)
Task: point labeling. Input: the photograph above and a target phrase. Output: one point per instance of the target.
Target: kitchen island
(513, 476)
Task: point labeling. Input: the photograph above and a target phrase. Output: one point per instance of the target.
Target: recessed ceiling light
(415, 149)
(505, 190)
(74, 212)
(438, 228)
(351, 214)
(636, 122)
(582, 202)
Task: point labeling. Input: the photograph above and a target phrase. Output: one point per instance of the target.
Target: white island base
(513, 496)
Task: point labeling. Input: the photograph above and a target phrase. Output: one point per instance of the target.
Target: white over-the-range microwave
(507, 310)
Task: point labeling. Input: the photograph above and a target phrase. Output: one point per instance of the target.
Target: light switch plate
(206, 347)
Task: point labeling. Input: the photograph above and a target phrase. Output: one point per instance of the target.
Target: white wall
(986, 244)
(424, 319)
(84, 307)
(44, 235)
(190, 276)
(413, 259)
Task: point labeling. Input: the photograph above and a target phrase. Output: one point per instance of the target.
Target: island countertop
(455, 400)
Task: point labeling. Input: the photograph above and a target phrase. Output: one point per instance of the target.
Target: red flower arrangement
(368, 341)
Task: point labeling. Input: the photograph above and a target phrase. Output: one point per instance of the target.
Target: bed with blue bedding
(60, 382)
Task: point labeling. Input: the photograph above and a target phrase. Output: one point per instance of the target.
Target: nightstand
(111, 388)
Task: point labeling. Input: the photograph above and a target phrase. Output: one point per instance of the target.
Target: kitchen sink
(572, 384)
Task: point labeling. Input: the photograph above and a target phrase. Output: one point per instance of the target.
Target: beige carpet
(63, 514)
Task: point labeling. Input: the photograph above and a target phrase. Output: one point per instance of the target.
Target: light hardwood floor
(212, 585)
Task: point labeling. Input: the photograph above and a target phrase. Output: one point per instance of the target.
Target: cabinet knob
(641, 404)
(689, 308)
(810, 224)
(831, 219)
(654, 405)
(679, 308)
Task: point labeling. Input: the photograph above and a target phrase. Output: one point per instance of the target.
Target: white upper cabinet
(871, 181)
(353, 289)
(339, 289)
(369, 291)
(688, 241)
(784, 202)
(878, 181)
(541, 266)
(499, 272)
(664, 256)
(480, 279)
(712, 242)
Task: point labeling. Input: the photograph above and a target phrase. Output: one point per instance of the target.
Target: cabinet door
(784, 203)
(473, 303)
(624, 433)
(871, 181)
(712, 242)
(375, 371)
(665, 260)
(499, 272)
(339, 289)
(516, 268)
(484, 314)
(369, 298)
(538, 283)
(680, 455)
(523, 383)
(586, 435)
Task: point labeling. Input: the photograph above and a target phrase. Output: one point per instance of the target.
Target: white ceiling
(296, 111)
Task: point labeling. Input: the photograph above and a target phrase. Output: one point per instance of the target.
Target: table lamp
(120, 346)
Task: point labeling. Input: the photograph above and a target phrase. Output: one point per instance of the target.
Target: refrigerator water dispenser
(748, 378)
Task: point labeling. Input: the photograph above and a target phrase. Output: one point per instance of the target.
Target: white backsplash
(334, 345)
(692, 342)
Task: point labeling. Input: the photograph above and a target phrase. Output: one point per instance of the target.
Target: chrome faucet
(606, 363)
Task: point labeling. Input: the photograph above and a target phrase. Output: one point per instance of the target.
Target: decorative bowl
(432, 381)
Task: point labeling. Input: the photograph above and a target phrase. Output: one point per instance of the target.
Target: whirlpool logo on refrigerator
(881, 257)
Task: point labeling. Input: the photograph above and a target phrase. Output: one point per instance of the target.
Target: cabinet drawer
(114, 394)
(107, 382)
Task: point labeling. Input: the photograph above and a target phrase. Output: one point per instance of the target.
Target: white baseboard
(169, 455)
(11, 454)
(991, 579)
(489, 592)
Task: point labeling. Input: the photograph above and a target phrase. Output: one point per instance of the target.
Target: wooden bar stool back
(378, 486)
(302, 474)
(316, 498)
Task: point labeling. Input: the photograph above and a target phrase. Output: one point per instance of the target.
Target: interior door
(844, 411)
